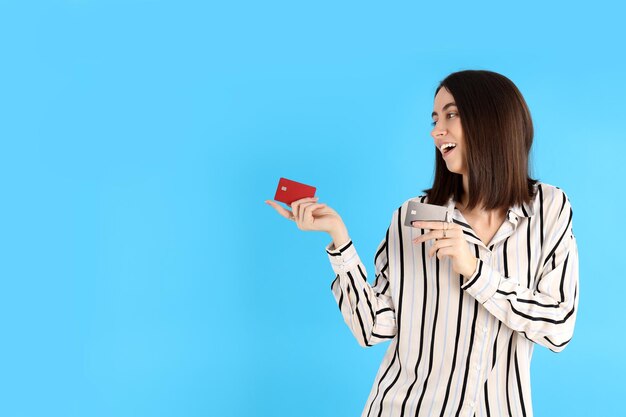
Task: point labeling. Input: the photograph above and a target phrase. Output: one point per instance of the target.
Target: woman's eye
(433, 123)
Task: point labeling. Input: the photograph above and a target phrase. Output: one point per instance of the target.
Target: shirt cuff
(343, 258)
(483, 283)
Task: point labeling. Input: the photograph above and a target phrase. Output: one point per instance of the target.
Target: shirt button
(477, 367)
(485, 329)
(471, 404)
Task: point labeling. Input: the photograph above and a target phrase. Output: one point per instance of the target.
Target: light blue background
(142, 274)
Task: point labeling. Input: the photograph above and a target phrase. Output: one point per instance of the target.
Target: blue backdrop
(143, 275)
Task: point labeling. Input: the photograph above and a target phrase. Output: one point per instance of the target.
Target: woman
(463, 303)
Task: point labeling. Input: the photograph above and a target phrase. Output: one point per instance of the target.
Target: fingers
(435, 225)
(282, 211)
(447, 251)
(438, 246)
(307, 212)
(295, 206)
(438, 234)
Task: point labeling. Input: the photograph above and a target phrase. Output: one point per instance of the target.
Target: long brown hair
(498, 132)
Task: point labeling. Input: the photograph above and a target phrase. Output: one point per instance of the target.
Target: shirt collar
(524, 210)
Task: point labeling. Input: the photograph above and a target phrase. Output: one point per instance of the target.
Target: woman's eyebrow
(444, 107)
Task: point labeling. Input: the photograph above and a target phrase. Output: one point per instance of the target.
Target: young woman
(463, 303)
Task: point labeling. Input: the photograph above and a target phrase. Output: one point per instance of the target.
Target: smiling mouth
(448, 151)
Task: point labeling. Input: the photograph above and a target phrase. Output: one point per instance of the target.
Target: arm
(368, 311)
(545, 314)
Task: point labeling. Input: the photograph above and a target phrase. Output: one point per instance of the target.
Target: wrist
(474, 265)
(339, 235)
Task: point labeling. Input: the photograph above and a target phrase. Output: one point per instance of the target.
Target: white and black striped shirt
(461, 346)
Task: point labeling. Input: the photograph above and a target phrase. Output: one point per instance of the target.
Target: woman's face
(447, 129)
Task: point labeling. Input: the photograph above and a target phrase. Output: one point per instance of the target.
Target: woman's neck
(479, 214)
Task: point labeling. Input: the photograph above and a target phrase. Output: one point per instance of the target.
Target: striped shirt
(461, 346)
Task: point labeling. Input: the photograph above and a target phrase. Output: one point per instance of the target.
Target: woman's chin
(453, 169)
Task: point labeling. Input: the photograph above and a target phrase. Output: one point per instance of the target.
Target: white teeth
(447, 145)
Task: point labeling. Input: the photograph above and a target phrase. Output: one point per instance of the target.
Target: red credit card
(289, 191)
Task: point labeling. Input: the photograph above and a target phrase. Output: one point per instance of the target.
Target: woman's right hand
(311, 215)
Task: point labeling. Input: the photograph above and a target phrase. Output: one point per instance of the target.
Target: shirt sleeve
(546, 313)
(368, 311)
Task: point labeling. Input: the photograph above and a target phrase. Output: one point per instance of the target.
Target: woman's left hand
(453, 245)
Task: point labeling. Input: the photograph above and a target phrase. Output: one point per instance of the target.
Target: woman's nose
(438, 131)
